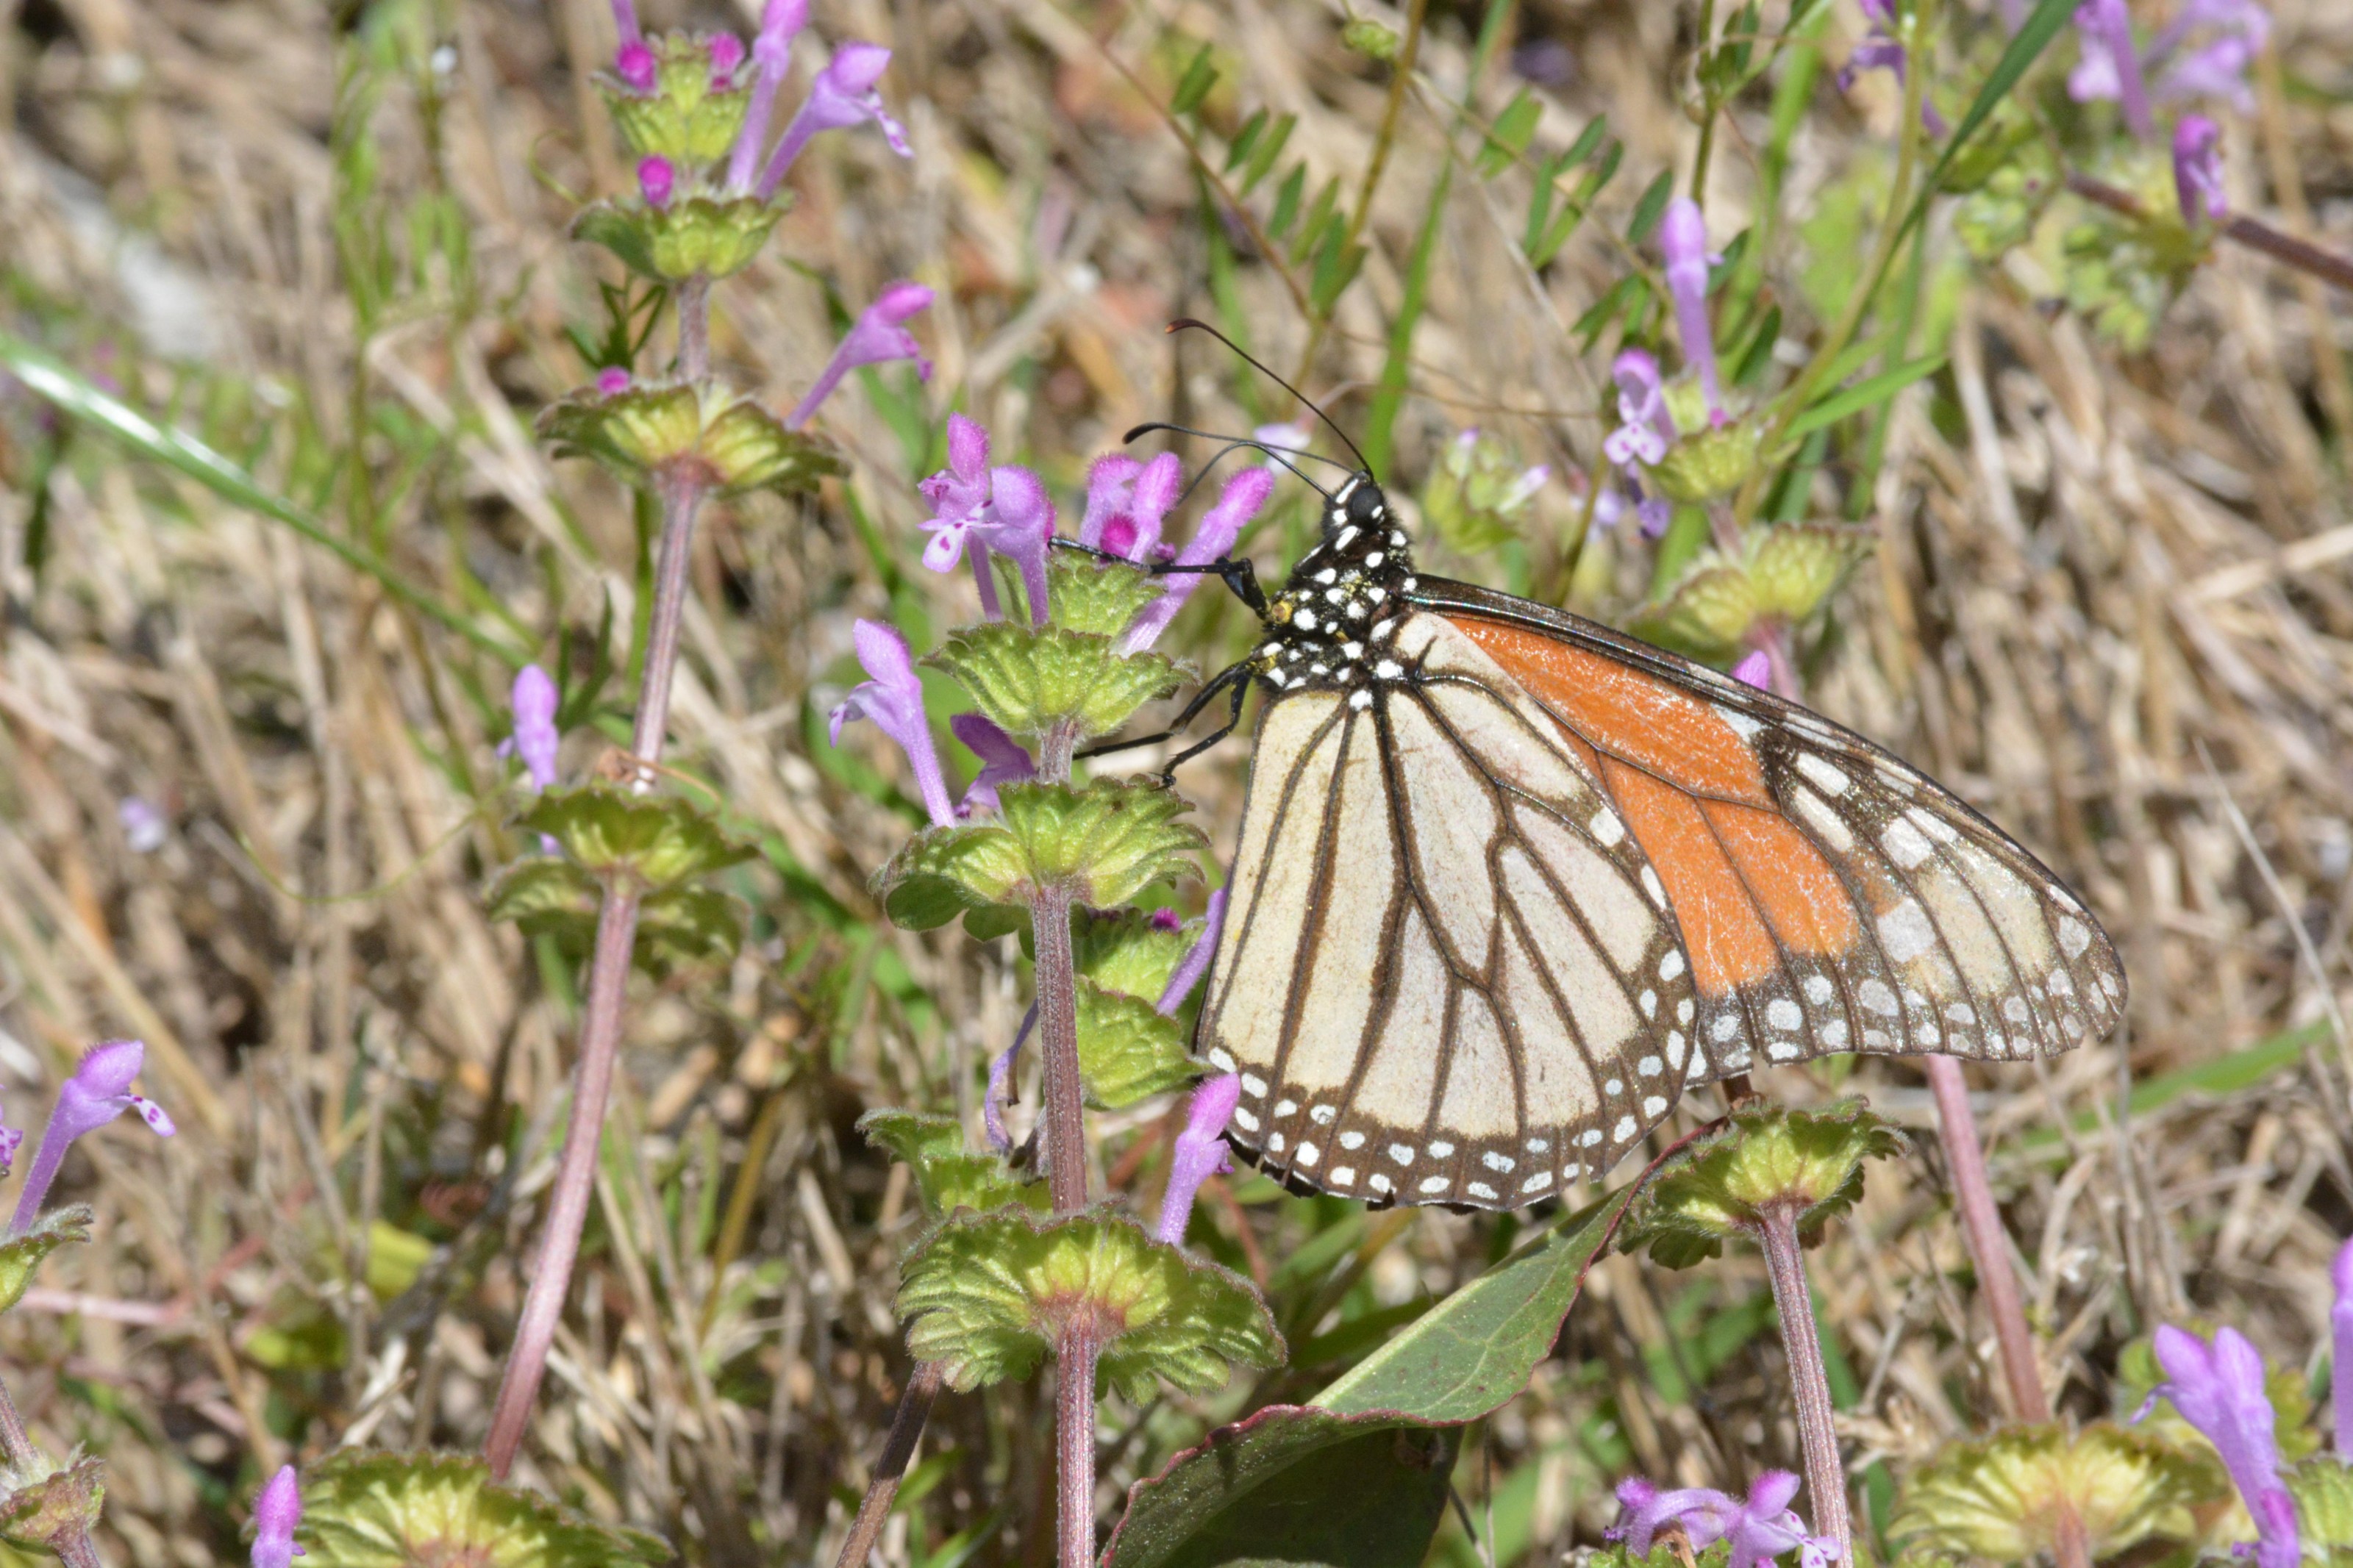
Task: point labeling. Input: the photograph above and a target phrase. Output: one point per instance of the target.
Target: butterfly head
(1344, 599)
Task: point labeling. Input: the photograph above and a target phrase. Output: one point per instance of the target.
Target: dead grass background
(2113, 606)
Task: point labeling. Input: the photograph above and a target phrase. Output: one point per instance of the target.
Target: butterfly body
(1509, 881)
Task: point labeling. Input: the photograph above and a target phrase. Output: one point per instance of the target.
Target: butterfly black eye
(1366, 505)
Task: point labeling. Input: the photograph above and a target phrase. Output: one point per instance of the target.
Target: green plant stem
(1809, 1384)
(890, 1467)
(75, 1547)
(609, 972)
(1708, 106)
(2325, 265)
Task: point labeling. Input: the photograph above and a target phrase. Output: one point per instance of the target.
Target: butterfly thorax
(1332, 624)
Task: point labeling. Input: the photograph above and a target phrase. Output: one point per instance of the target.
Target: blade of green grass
(75, 395)
(2228, 1075)
(1864, 394)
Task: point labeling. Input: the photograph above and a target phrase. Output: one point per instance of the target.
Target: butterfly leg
(1233, 722)
(1236, 676)
(1240, 577)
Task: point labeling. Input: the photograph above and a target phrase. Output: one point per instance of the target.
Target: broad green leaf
(362, 1509)
(734, 444)
(989, 1296)
(949, 1176)
(2007, 1498)
(83, 399)
(1026, 680)
(1127, 1050)
(1129, 951)
(944, 871)
(661, 841)
(1294, 1485)
(1717, 1185)
(1099, 597)
(693, 236)
(1474, 1351)
(677, 926)
(1107, 840)
(21, 1256)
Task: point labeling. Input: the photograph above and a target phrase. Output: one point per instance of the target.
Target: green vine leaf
(989, 1296)
(2006, 1498)
(683, 119)
(949, 1176)
(364, 1508)
(1098, 597)
(1761, 1157)
(21, 1256)
(732, 443)
(691, 236)
(1029, 681)
(661, 841)
(678, 928)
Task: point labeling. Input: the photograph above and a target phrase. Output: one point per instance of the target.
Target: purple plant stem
(2325, 265)
(1809, 1384)
(1981, 1222)
(617, 930)
(75, 1547)
(891, 1468)
(1074, 1445)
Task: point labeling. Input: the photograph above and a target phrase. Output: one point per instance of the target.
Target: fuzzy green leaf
(43, 1511)
(1126, 1050)
(364, 1508)
(1762, 1157)
(1028, 681)
(1712, 460)
(2323, 1488)
(1785, 573)
(989, 1296)
(732, 443)
(949, 1176)
(1707, 614)
(682, 119)
(944, 871)
(691, 236)
(661, 841)
(1101, 597)
(1126, 950)
(21, 1256)
(2004, 1497)
(677, 927)
(1107, 841)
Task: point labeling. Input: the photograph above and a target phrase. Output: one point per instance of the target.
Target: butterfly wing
(1831, 896)
(1446, 973)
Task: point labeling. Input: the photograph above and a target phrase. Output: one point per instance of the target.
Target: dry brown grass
(2113, 607)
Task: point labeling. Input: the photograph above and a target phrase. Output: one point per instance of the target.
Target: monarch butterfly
(1509, 881)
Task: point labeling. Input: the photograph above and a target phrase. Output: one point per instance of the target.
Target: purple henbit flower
(1757, 1530)
(2198, 171)
(1128, 503)
(612, 381)
(2218, 1389)
(11, 1139)
(98, 1092)
(2218, 68)
(533, 700)
(1294, 437)
(635, 66)
(276, 1514)
(143, 827)
(1754, 668)
(1002, 761)
(1000, 1084)
(843, 95)
(893, 698)
(625, 22)
(1200, 1151)
(726, 53)
(1645, 428)
(2340, 1365)
(772, 54)
(877, 337)
(978, 509)
(2108, 63)
(1684, 237)
(1246, 490)
(1196, 961)
(1880, 50)
(656, 181)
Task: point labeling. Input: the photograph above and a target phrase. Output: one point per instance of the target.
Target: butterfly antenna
(1236, 443)
(1181, 322)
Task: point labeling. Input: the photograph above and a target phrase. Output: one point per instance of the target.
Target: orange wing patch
(1803, 899)
(1726, 937)
(1623, 712)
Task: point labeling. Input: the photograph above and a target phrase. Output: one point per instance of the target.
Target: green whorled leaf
(661, 841)
(949, 1176)
(1785, 573)
(732, 443)
(1296, 1485)
(1474, 1351)
(1369, 39)
(1127, 1049)
(1029, 681)
(684, 118)
(43, 1510)
(2011, 131)
(2007, 1498)
(2000, 215)
(1709, 460)
(367, 1509)
(677, 927)
(988, 923)
(1761, 1157)
(943, 872)
(21, 1256)
(2323, 1488)
(1479, 493)
(1129, 951)
(1107, 841)
(989, 1295)
(694, 235)
(1100, 597)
